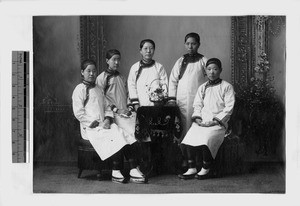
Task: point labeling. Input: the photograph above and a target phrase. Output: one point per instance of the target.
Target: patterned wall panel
(92, 40)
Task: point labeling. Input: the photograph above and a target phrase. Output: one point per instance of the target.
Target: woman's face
(147, 51)
(89, 73)
(213, 72)
(191, 45)
(114, 62)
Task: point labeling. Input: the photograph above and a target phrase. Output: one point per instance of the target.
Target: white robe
(138, 90)
(218, 103)
(106, 142)
(117, 95)
(184, 90)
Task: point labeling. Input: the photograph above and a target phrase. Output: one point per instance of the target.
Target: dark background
(57, 46)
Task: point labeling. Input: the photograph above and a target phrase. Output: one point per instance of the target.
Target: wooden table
(163, 125)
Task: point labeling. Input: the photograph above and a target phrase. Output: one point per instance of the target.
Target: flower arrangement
(260, 89)
(157, 91)
(261, 113)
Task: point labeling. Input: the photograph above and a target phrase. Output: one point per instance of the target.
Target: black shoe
(121, 180)
(138, 180)
(203, 177)
(186, 177)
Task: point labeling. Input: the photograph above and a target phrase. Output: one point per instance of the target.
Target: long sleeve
(108, 112)
(132, 89)
(198, 103)
(173, 81)
(78, 108)
(229, 100)
(100, 81)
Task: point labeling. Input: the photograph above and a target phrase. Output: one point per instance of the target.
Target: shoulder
(78, 89)
(79, 86)
(157, 64)
(135, 65)
(101, 76)
(202, 86)
(203, 59)
(226, 85)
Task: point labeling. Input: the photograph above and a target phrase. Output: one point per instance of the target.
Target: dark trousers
(197, 156)
(130, 152)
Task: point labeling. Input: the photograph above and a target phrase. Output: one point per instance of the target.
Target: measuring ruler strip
(20, 106)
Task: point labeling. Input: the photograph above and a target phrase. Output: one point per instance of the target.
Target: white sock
(117, 174)
(203, 171)
(135, 172)
(190, 171)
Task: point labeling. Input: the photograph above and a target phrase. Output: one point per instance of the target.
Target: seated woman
(114, 87)
(213, 106)
(96, 125)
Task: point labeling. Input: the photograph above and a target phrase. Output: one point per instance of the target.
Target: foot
(136, 176)
(191, 171)
(117, 176)
(188, 174)
(203, 171)
(135, 172)
(203, 174)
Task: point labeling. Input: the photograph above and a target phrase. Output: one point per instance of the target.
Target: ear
(106, 61)
(82, 72)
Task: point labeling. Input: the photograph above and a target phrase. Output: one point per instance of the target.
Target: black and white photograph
(133, 100)
(126, 102)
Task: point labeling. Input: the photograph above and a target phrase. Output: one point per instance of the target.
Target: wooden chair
(88, 159)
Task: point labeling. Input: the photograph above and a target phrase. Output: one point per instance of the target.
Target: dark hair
(192, 35)
(214, 61)
(86, 63)
(147, 40)
(112, 52)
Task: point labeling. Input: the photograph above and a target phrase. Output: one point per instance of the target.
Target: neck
(88, 82)
(147, 61)
(215, 80)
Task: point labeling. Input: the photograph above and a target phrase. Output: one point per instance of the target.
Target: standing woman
(213, 107)
(143, 73)
(96, 125)
(186, 76)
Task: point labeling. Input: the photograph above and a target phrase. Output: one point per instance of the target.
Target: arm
(229, 100)
(131, 82)
(78, 108)
(163, 76)
(173, 81)
(109, 116)
(198, 105)
(100, 81)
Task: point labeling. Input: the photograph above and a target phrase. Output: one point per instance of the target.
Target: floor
(261, 178)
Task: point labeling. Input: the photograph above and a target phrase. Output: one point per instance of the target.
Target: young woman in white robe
(186, 76)
(96, 125)
(114, 87)
(142, 74)
(213, 106)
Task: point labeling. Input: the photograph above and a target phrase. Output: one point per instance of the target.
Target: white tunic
(117, 95)
(106, 142)
(138, 90)
(218, 104)
(184, 90)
